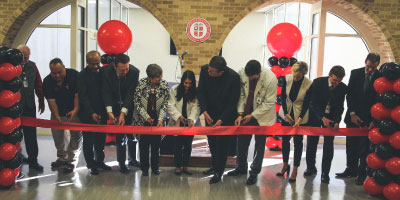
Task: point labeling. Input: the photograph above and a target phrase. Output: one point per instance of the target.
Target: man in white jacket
(256, 107)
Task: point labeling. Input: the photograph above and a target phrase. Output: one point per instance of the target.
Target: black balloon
(104, 59)
(283, 62)
(397, 179)
(390, 70)
(370, 171)
(279, 100)
(387, 126)
(281, 80)
(15, 162)
(382, 177)
(15, 85)
(15, 56)
(379, 98)
(15, 137)
(390, 99)
(272, 61)
(3, 54)
(110, 59)
(292, 61)
(372, 147)
(14, 112)
(384, 151)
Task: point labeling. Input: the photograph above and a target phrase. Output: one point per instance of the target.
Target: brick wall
(383, 17)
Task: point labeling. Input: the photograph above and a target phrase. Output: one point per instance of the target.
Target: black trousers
(122, 141)
(152, 141)
(298, 147)
(183, 150)
(219, 145)
(312, 143)
(357, 150)
(30, 136)
(93, 148)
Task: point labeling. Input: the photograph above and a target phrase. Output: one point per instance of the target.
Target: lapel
(246, 84)
(259, 82)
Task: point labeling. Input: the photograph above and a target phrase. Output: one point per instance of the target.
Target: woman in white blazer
(184, 110)
(296, 99)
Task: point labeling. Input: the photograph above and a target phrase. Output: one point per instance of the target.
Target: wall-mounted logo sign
(198, 30)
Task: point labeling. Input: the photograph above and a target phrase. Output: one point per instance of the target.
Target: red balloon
(277, 107)
(7, 72)
(393, 165)
(383, 85)
(394, 140)
(18, 96)
(287, 70)
(277, 70)
(392, 191)
(7, 151)
(375, 162)
(114, 37)
(396, 86)
(395, 114)
(7, 98)
(18, 69)
(278, 90)
(284, 39)
(271, 142)
(18, 146)
(7, 125)
(371, 187)
(17, 171)
(376, 137)
(7, 177)
(379, 111)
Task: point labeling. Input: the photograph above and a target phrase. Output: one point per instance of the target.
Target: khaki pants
(68, 148)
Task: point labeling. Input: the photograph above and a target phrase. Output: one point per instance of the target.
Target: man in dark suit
(92, 111)
(219, 91)
(326, 110)
(119, 80)
(360, 99)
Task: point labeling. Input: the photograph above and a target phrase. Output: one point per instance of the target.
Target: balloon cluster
(384, 162)
(114, 37)
(283, 41)
(10, 111)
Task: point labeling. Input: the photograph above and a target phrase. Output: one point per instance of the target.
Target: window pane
(301, 56)
(81, 16)
(116, 10)
(315, 26)
(350, 58)
(105, 12)
(313, 57)
(92, 45)
(61, 16)
(80, 48)
(304, 22)
(280, 14)
(124, 14)
(92, 14)
(292, 13)
(269, 20)
(334, 24)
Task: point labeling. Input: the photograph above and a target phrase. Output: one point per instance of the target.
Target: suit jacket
(264, 96)
(320, 98)
(359, 101)
(175, 108)
(117, 95)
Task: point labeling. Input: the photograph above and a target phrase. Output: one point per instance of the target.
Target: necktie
(366, 81)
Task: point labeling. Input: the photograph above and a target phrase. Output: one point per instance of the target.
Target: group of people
(224, 97)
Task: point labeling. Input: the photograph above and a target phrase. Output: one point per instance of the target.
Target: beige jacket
(175, 109)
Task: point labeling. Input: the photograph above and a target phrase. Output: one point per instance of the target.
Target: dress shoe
(134, 163)
(346, 174)
(178, 171)
(237, 172)
(145, 173)
(36, 166)
(252, 179)
(292, 180)
(123, 169)
(155, 172)
(209, 171)
(310, 172)
(58, 163)
(69, 168)
(103, 166)
(187, 172)
(325, 178)
(215, 179)
(93, 171)
(360, 180)
(20, 176)
(287, 171)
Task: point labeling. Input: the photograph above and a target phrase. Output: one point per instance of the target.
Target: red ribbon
(220, 130)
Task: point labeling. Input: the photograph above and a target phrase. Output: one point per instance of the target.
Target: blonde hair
(300, 66)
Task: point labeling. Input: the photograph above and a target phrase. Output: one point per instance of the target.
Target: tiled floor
(114, 185)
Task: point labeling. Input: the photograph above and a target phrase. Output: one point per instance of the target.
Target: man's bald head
(26, 51)
(93, 60)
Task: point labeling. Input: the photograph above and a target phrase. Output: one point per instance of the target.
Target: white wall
(150, 44)
(245, 42)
